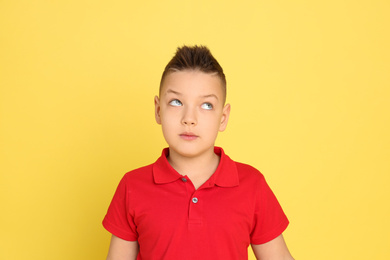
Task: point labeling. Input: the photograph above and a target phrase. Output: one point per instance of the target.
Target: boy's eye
(207, 106)
(175, 103)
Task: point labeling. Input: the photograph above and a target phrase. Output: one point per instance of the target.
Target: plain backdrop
(308, 82)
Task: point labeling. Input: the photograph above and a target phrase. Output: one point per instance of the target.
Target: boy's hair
(195, 58)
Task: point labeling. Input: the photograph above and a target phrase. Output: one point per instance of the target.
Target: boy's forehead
(192, 80)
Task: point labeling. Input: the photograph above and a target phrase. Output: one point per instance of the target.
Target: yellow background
(308, 82)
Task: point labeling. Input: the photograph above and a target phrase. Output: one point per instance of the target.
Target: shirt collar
(226, 174)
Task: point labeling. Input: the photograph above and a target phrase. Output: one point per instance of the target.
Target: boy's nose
(189, 117)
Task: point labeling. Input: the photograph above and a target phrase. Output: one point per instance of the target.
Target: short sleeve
(269, 219)
(118, 220)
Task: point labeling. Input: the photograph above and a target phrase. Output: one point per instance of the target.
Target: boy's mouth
(188, 136)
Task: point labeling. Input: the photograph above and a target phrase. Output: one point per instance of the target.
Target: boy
(194, 202)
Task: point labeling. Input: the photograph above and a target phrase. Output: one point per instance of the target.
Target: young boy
(194, 202)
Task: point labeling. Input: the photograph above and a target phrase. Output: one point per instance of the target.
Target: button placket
(195, 209)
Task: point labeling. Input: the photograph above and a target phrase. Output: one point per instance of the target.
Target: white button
(195, 200)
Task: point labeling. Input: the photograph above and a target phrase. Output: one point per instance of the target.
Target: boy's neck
(199, 168)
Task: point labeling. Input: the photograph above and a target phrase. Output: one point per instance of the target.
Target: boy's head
(191, 104)
(195, 58)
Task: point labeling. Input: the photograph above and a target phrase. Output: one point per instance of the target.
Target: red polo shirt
(171, 220)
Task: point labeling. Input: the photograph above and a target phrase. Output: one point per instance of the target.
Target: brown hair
(195, 58)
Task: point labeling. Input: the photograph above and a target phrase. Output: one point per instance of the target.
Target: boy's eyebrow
(174, 92)
(211, 95)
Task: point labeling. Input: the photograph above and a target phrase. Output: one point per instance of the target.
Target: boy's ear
(225, 117)
(157, 110)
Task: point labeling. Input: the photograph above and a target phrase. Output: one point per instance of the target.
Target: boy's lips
(188, 136)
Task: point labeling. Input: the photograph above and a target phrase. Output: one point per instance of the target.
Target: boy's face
(191, 111)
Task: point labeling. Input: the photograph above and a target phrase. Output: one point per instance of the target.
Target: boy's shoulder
(144, 173)
(246, 167)
(245, 170)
